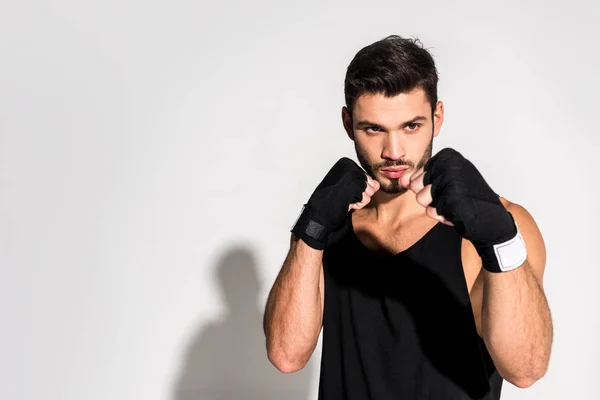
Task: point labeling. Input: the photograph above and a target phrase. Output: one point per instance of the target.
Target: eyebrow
(365, 123)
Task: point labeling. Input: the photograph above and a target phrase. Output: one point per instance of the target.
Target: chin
(392, 188)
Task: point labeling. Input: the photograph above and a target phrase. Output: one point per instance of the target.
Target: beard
(391, 185)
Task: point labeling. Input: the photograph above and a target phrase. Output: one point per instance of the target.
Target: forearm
(517, 325)
(293, 314)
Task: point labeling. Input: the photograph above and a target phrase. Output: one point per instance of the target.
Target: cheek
(370, 146)
(361, 144)
(416, 146)
(422, 140)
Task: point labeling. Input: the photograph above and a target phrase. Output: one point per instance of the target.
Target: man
(428, 285)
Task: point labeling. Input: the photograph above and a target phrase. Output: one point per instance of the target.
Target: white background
(155, 154)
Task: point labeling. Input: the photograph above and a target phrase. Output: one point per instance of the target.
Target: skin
(510, 309)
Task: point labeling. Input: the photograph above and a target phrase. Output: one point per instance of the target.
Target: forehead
(402, 107)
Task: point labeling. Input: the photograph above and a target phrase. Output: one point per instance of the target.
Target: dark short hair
(391, 66)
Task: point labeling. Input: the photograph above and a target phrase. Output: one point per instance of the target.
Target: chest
(390, 240)
(394, 240)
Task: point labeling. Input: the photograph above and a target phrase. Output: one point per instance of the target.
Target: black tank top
(401, 326)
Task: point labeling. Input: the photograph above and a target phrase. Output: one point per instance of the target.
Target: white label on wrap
(512, 253)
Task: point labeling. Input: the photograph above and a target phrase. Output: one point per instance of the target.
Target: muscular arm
(294, 309)
(515, 317)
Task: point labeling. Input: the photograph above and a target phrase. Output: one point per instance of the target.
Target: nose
(393, 147)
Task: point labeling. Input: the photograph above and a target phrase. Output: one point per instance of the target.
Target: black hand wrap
(327, 208)
(462, 196)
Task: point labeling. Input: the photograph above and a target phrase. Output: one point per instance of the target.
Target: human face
(393, 135)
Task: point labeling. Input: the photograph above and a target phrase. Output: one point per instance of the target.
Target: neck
(395, 209)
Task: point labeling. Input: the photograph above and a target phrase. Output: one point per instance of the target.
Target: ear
(438, 118)
(347, 122)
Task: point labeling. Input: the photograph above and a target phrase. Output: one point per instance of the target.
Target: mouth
(395, 172)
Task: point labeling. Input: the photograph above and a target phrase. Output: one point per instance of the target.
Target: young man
(428, 285)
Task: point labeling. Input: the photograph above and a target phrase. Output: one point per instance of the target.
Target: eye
(413, 127)
(373, 129)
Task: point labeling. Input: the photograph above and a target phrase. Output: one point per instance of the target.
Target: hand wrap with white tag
(462, 196)
(327, 208)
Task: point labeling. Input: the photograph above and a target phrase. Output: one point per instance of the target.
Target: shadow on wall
(227, 359)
